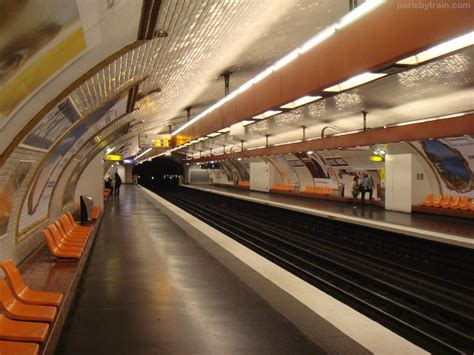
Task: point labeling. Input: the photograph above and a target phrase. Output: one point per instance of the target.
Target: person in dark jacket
(118, 182)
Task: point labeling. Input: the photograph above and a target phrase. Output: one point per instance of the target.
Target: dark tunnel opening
(160, 172)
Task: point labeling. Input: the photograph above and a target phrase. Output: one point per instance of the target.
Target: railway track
(420, 289)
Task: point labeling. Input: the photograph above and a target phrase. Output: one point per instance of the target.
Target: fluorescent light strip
(246, 122)
(215, 134)
(297, 141)
(260, 147)
(143, 153)
(224, 130)
(357, 80)
(428, 119)
(345, 21)
(358, 12)
(440, 50)
(267, 114)
(301, 101)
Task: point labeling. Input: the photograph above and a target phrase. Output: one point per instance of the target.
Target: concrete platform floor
(149, 288)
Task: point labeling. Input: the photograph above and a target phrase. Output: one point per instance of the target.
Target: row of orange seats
(448, 201)
(244, 183)
(25, 313)
(318, 190)
(65, 238)
(283, 187)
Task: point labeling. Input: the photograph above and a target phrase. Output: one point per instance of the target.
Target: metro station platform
(437, 228)
(151, 287)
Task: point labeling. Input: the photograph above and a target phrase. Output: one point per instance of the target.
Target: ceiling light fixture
(297, 141)
(246, 122)
(358, 12)
(357, 80)
(215, 134)
(224, 130)
(351, 17)
(267, 114)
(440, 50)
(260, 147)
(301, 101)
(429, 119)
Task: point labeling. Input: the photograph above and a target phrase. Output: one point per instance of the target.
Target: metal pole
(364, 113)
(304, 132)
(226, 83)
(266, 139)
(188, 112)
(242, 146)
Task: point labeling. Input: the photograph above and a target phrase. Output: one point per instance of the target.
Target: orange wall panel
(384, 36)
(268, 93)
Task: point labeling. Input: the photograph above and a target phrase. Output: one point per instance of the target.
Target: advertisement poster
(36, 206)
(9, 193)
(50, 36)
(453, 161)
(52, 126)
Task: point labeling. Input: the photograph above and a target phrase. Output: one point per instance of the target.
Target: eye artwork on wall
(49, 37)
(10, 191)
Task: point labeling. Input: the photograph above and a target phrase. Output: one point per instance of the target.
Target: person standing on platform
(355, 191)
(366, 185)
(118, 182)
(370, 187)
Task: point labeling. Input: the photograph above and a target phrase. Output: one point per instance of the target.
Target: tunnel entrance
(158, 173)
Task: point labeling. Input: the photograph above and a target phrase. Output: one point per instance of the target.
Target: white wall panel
(398, 182)
(91, 182)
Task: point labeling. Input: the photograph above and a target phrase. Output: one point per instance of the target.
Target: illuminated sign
(112, 157)
(146, 140)
(182, 139)
(376, 158)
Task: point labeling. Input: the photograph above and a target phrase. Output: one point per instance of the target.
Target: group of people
(363, 185)
(113, 183)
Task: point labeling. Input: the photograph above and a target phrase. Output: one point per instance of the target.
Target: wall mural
(242, 170)
(316, 167)
(36, 207)
(9, 193)
(50, 36)
(87, 153)
(52, 126)
(453, 160)
(286, 171)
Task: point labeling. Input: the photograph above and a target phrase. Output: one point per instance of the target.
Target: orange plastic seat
(464, 203)
(428, 200)
(24, 293)
(95, 213)
(434, 199)
(454, 203)
(73, 236)
(438, 200)
(18, 348)
(19, 311)
(59, 253)
(63, 244)
(451, 201)
(471, 206)
(75, 225)
(72, 229)
(446, 201)
(71, 239)
(22, 331)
